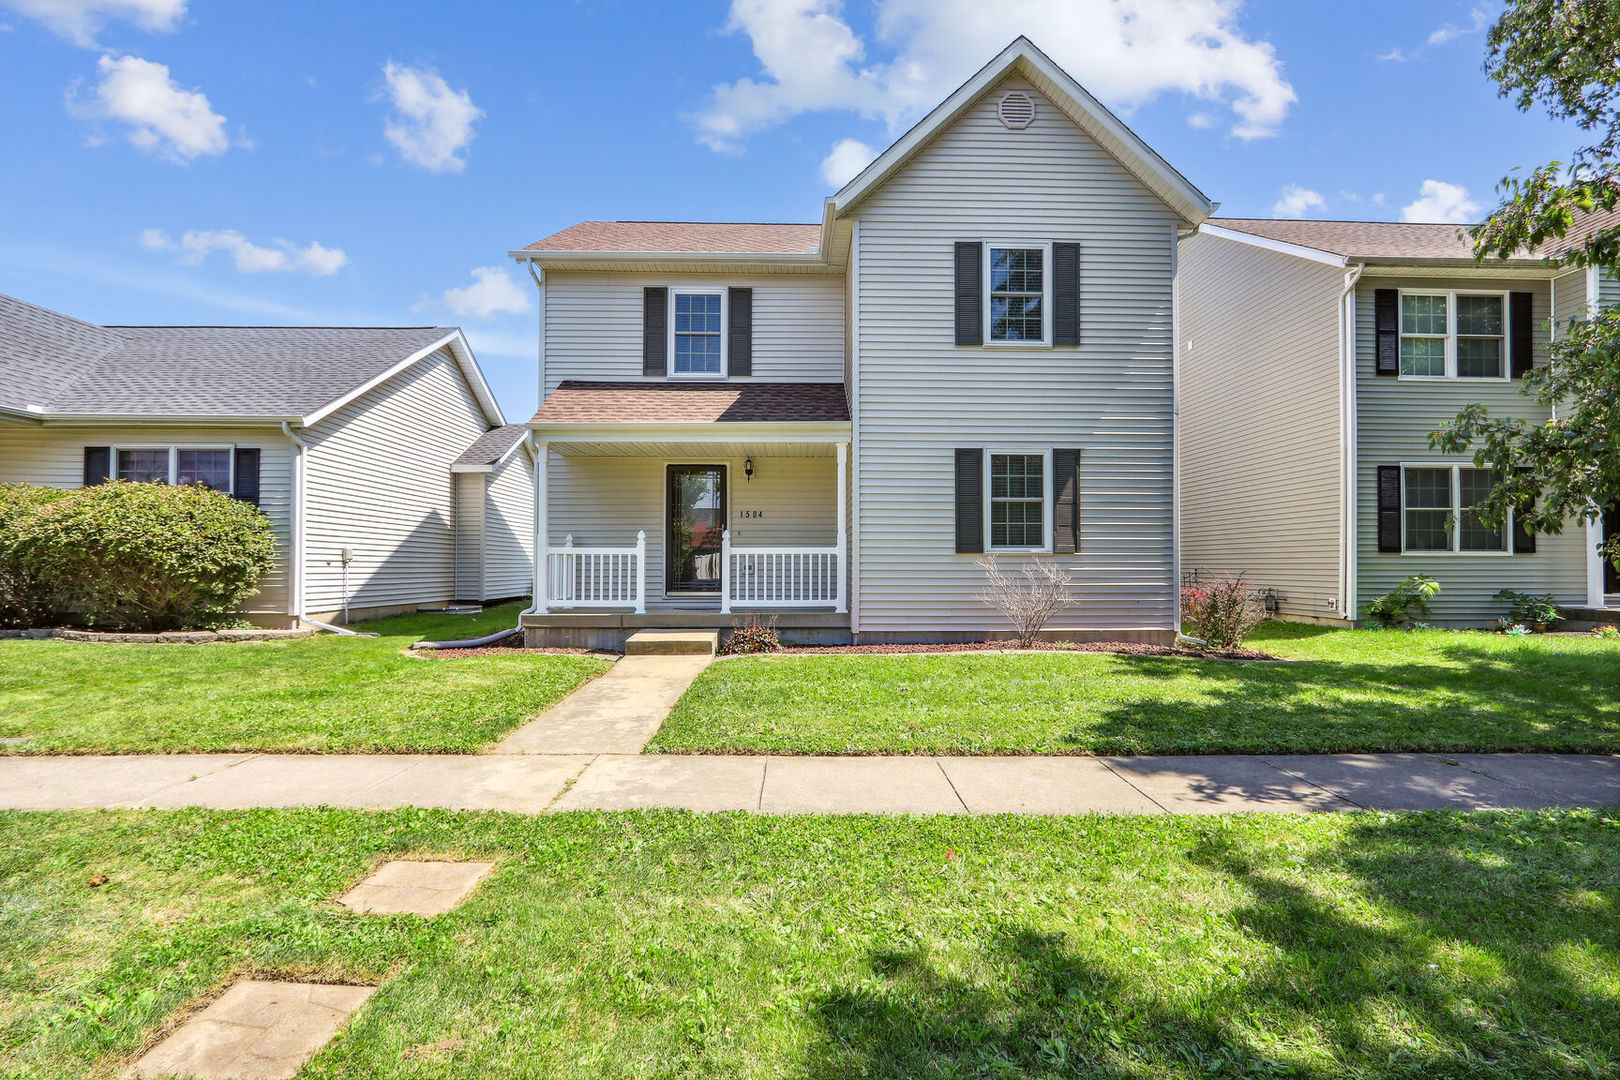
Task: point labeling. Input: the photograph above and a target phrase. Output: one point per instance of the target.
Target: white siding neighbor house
(971, 352)
(353, 441)
(1316, 358)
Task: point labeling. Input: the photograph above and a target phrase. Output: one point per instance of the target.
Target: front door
(697, 517)
(1611, 528)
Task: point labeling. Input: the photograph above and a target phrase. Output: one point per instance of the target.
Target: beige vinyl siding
(593, 325)
(379, 482)
(603, 501)
(508, 529)
(1569, 300)
(1608, 291)
(54, 457)
(1261, 431)
(1394, 417)
(921, 396)
(469, 529)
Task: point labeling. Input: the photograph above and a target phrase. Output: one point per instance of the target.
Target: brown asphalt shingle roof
(1362, 239)
(492, 445)
(743, 238)
(693, 403)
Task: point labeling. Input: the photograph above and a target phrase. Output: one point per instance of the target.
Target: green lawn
(674, 945)
(325, 693)
(1346, 690)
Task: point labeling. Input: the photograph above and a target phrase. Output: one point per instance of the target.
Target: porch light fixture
(748, 468)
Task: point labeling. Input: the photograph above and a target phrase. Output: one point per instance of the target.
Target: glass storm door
(697, 517)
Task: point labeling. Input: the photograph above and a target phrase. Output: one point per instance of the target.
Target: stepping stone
(407, 887)
(256, 1031)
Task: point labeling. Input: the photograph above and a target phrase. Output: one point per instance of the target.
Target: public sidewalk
(542, 783)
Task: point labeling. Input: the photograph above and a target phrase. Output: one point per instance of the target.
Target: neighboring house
(971, 352)
(1316, 357)
(355, 442)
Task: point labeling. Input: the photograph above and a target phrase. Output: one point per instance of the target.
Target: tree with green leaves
(1564, 56)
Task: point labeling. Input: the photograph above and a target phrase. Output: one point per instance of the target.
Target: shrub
(1532, 608)
(1222, 612)
(149, 556)
(752, 637)
(25, 598)
(1030, 603)
(1406, 605)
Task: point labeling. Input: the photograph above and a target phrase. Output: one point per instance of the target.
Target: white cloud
(493, 292)
(1128, 52)
(1395, 55)
(1203, 121)
(163, 119)
(1443, 202)
(1296, 202)
(79, 20)
(1479, 18)
(847, 158)
(282, 257)
(432, 123)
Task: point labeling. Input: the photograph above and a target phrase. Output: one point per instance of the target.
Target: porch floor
(684, 619)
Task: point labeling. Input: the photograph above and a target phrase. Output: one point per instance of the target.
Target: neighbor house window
(209, 466)
(1453, 335)
(1019, 295)
(144, 466)
(1017, 501)
(1438, 505)
(698, 347)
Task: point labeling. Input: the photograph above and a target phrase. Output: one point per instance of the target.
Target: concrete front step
(672, 643)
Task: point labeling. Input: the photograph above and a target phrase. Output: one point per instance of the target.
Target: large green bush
(25, 599)
(148, 556)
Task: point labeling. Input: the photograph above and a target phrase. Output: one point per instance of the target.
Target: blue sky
(195, 161)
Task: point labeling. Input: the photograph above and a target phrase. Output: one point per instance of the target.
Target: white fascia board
(472, 468)
(827, 431)
(1299, 251)
(1086, 111)
(460, 352)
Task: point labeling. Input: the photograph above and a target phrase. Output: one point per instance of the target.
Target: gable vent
(1016, 110)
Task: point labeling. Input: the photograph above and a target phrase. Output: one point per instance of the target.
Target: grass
(322, 694)
(1345, 691)
(671, 945)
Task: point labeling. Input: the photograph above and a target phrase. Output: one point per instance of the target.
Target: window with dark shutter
(245, 485)
(655, 332)
(1521, 337)
(740, 332)
(1524, 541)
(1389, 508)
(1065, 501)
(97, 465)
(969, 293)
(1065, 294)
(969, 502)
(1387, 330)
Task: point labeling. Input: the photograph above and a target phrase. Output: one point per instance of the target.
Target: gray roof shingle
(492, 445)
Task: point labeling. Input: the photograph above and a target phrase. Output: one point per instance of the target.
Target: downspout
(298, 612)
(1348, 434)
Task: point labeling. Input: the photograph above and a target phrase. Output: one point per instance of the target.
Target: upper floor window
(209, 466)
(696, 331)
(1439, 514)
(1452, 335)
(1019, 293)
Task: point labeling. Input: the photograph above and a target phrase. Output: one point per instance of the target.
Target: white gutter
(1348, 461)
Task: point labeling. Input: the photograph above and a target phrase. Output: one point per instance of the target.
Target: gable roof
(746, 238)
(1087, 112)
(491, 448)
(54, 366)
(582, 402)
(1360, 239)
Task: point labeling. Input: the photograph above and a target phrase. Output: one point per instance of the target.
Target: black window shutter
(1521, 337)
(969, 293)
(97, 465)
(1066, 294)
(740, 332)
(1387, 327)
(245, 485)
(1524, 541)
(1065, 501)
(1389, 508)
(654, 331)
(969, 502)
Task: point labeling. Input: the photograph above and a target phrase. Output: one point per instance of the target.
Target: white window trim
(1455, 512)
(725, 324)
(1451, 335)
(174, 458)
(1045, 247)
(1045, 454)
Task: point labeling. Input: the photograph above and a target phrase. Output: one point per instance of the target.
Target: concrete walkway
(614, 714)
(540, 783)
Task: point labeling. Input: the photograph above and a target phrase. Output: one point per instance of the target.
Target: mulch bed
(1120, 648)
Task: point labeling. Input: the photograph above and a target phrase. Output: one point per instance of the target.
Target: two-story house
(971, 353)
(1316, 358)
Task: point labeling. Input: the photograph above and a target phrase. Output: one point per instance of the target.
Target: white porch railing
(780, 577)
(596, 577)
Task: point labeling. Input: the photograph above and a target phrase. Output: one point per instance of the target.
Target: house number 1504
(750, 513)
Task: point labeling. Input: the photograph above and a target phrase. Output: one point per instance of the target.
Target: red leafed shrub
(1221, 612)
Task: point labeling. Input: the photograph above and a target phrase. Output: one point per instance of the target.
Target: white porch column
(843, 528)
(641, 572)
(542, 467)
(725, 572)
